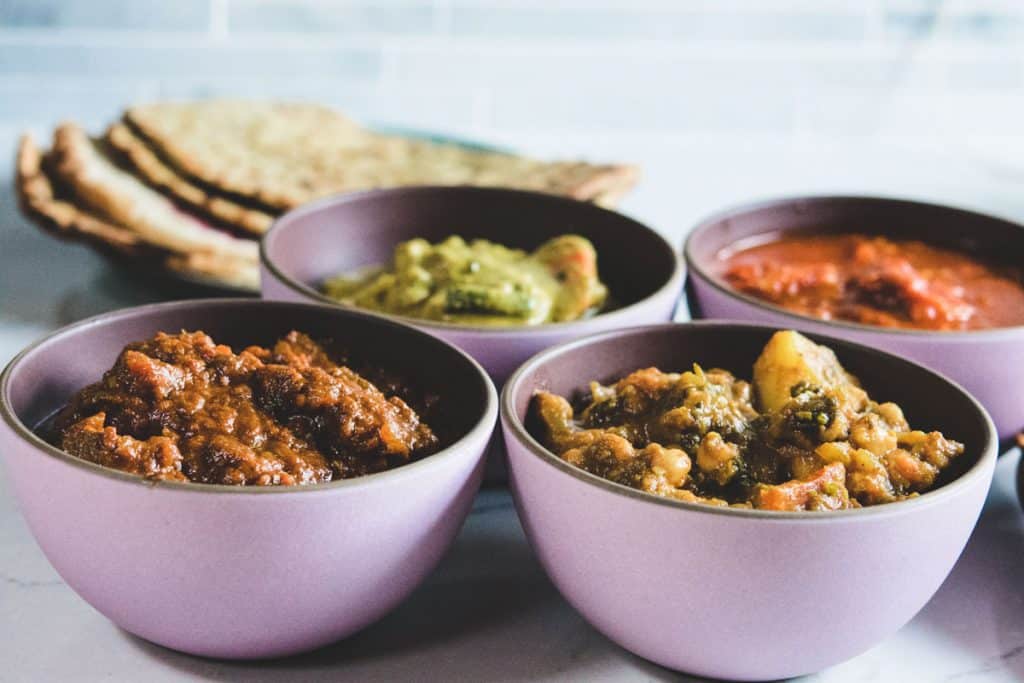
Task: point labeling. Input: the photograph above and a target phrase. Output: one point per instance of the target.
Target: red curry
(878, 281)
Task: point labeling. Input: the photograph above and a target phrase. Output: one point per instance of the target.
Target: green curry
(480, 282)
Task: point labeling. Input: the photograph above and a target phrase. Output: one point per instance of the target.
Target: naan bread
(150, 168)
(38, 200)
(160, 185)
(124, 200)
(44, 201)
(282, 155)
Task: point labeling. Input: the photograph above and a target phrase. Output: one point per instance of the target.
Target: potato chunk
(790, 359)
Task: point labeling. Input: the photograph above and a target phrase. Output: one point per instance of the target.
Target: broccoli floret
(474, 298)
(813, 409)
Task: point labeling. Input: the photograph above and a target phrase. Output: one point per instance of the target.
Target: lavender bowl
(729, 593)
(348, 232)
(989, 363)
(235, 572)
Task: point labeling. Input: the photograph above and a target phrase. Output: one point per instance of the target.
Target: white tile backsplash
(408, 17)
(180, 15)
(938, 72)
(669, 23)
(189, 61)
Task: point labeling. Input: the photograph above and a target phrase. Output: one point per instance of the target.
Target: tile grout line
(219, 20)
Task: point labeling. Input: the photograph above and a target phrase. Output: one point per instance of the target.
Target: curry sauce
(878, 281)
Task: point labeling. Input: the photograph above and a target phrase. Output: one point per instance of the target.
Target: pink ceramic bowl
(351, 231)
(739, 594)
(235, 572)
(989, 363)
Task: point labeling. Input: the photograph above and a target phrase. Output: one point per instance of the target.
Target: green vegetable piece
(466, 298)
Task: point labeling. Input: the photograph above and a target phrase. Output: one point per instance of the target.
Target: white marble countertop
(488, 612)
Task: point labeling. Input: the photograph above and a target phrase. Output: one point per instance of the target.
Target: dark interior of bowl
(46, 378)
(992, 239)
(929, 402)
(349, 233)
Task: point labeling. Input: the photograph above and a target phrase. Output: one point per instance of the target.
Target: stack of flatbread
(190, 187)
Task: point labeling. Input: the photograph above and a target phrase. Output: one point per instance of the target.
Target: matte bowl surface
(352, 231)
(988, 363)
(729, 593)
(241, 572)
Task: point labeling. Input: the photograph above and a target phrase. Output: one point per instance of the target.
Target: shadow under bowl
(242, 572)
(988, 363)
(732, 593)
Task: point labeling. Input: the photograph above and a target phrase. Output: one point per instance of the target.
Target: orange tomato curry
(878, 281)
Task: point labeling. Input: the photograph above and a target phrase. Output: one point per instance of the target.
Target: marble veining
(26, 584)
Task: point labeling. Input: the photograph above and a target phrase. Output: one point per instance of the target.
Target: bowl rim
(514, 427)
(695, 267)
(483, 427)
(674, 283)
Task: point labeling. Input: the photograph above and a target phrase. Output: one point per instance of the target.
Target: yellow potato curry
(480, 282)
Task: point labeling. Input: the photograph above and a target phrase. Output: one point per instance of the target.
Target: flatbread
(121, 198)
(215, 271)
(42, 201)
(149, 167)
(39, 202)
(283, 155)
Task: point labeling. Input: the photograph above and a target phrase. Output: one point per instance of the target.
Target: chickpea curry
(878, 281)
(803, 435)
(480, 282)
(180, 407)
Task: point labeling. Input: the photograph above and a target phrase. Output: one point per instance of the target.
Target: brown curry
(877, 281)
(803, 436)
(182, 408)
